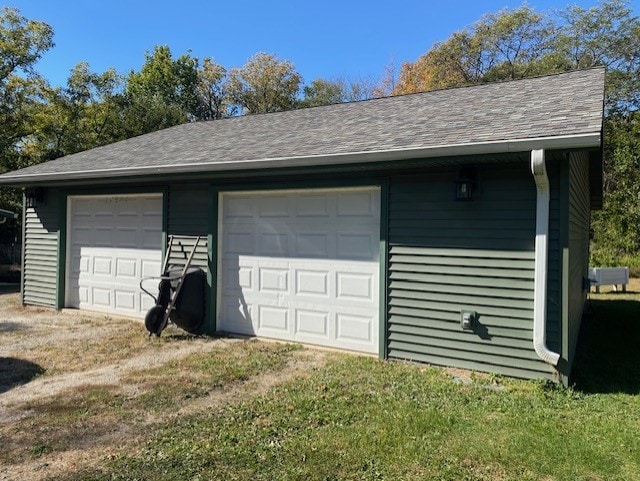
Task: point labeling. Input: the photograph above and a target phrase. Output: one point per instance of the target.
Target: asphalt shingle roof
(569, 104)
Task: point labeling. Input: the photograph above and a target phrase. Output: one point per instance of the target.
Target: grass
(361, 419)
(55, 423)
(353, 418)
(91, 341)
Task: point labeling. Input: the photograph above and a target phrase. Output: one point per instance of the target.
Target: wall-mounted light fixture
(466, 183)
(34, 197)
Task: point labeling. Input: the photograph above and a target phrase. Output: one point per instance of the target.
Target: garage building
(449, 227)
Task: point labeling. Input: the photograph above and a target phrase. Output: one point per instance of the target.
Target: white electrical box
(467, 320)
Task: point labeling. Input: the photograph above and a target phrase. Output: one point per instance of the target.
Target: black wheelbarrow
(180, 296)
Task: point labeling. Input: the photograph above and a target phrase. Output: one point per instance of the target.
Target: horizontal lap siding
(41, 252)
(554, 279)
(188, 217)
(447, 256)
(578, 231)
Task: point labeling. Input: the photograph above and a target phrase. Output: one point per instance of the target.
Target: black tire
(153, 320)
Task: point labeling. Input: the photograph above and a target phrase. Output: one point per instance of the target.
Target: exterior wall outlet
(467, 320)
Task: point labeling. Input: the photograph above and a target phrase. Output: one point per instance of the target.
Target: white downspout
(539, 171)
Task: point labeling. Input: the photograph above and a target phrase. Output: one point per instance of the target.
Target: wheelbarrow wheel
(153, 320)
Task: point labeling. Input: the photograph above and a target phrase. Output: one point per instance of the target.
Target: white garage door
(301, 266)
(112, 242)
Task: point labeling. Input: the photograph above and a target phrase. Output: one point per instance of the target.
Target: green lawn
(361, 419)
(357, 418)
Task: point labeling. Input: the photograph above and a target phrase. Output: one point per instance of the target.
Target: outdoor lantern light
(465, 183)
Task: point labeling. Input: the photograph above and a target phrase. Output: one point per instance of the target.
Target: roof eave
(576, 141)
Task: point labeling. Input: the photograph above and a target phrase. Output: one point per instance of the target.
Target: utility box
(467, 320)
(609, 276)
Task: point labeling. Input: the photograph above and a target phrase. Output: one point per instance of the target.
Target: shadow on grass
(15, 372)
(608, 352)
(9, 326)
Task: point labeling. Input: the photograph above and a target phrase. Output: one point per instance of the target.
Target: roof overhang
(587, 141)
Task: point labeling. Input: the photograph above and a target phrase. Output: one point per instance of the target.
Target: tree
(615, 227)
(360, 88)
(607, 35)
(522, 43)
(323, 92)
(506, 45)
(213, 101)
(264, 84)
(387, 84)
(328, 92)
(162, 94)
(86, 113)
(22, 43)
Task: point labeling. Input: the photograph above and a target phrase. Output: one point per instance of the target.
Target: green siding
(188, 216)
(554, 278)
(446, 256)
(579, 216)
(441, 256)
(41, 231)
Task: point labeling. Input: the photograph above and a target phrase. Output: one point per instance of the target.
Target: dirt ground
(52, 364)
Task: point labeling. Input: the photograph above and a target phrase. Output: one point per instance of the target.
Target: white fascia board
(576, 141)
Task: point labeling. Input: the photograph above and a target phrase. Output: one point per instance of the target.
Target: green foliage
(607, 35)
(162, 94)
(213, 100)
(615, 228)
(503, 46)
(264, 84)
(513, 44)
(328, 92)
(22, 43)
(323, 92)
(506, 45)
(80, 116)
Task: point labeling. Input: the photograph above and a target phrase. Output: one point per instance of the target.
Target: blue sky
(328, 38)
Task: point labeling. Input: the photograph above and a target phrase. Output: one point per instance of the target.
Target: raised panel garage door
(113, 242)
(301, 266)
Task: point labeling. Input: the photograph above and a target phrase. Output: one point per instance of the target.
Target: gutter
(539, 171)
(575, 141)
